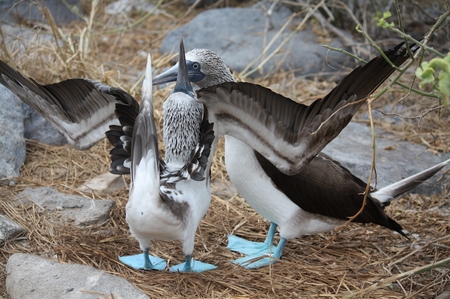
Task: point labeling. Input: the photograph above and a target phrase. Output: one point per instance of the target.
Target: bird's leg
(147, 263)
(250, 248)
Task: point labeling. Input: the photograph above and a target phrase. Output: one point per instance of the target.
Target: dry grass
(314, 266)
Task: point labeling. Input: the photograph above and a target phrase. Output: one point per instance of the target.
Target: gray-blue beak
(168, 76)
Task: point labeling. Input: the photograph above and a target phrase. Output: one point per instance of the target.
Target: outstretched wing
(80, 109)
(289, 134)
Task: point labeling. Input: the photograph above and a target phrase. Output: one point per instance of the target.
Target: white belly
(258, 190)
(151, 218)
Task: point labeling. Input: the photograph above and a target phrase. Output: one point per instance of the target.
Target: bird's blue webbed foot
(246, 247)
(261, 259)
(191, 265)
(143, 261)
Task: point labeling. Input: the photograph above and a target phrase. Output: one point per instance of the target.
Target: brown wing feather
(120, 136)
(81, 109)
(285, 132)
(73, 99)
(327, 188)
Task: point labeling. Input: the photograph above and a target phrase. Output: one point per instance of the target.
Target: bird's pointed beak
(183, 83)
(168, 76)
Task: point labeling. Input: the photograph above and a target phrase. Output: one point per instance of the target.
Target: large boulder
(12, 144)
(17, 11)
(39, 129)
(237, 35)
(34, 277)
(395, 159)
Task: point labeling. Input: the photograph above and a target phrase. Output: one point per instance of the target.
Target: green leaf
(444, 87)
(447, 58)
(440, 63)
(382, 21)
(384, 24)
(425, 73)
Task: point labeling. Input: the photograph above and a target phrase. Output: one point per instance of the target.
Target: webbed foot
(143, 261)
(191, 265)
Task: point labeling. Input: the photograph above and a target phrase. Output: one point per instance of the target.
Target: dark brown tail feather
(120, 136)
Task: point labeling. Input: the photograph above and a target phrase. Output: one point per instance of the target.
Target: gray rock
(19, 38)
(396, 114)
(126, 6)
(12, 144)
(106, 183)
(9, 229)
(444, 295)
(30, 276)
(35, 126)
(395, 160)
(236, 34)
(16, 11)
(65, 207)
(443, 208)
(39, 129)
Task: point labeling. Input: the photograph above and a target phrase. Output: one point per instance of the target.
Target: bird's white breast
(258, 190)
(254, 185)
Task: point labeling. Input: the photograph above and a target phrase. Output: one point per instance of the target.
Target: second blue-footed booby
(272, 151)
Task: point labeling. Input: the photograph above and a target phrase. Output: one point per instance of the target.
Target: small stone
(106, 183)
(444, 295)
(119, 7)
(9, 229)
(79, 210)
(126, 6)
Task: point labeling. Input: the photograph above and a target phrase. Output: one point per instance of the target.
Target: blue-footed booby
(167, 198)
(163, 203)
(272, 151)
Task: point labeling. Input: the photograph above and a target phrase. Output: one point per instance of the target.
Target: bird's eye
(195, 65)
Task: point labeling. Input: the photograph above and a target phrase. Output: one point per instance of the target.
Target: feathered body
(272, 150)
(164, 204)
(167, 198)
(172, 210)
(181, 128)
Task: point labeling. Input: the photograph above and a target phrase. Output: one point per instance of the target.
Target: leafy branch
(428, 73)
(437, 71)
